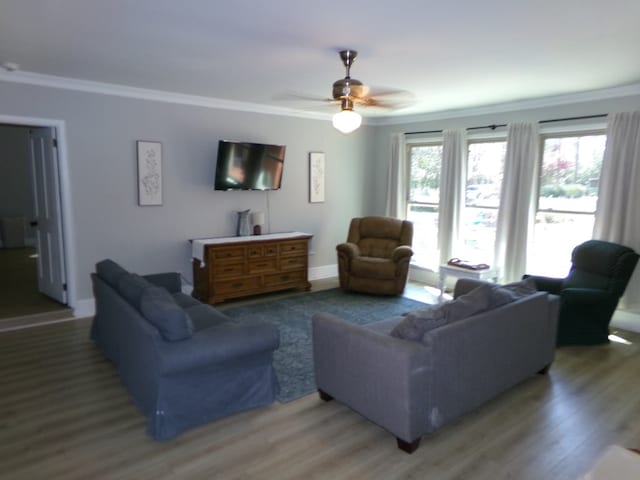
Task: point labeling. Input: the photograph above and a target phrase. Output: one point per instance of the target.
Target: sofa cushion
(185, 300)
(372, 267)
(131, 286)
(205, 316)
(161, 310)
(415, 324)
(502, 294)
(110, 272)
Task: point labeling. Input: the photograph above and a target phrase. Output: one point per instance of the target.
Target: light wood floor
(65, 415)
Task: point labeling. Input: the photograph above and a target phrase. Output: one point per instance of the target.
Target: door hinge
(64, 287)
(55, 142)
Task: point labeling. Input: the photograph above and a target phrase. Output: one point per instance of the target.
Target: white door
(48, 221)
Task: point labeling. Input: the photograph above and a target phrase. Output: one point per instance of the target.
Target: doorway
(32, 255)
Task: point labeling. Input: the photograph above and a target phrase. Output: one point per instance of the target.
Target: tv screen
(249, 166)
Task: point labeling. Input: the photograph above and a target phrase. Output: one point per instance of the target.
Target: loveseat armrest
(215, 345)
(351, 250)
(401, 252)
(384, 378)
(170, 281)
(547, 284)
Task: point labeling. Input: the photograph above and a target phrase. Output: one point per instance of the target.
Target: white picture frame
(316, 177)
(149, 173)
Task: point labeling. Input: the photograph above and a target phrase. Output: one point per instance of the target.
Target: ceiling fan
(348, 93)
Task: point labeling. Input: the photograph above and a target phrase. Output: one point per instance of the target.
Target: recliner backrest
(603, 265)
(379, 236)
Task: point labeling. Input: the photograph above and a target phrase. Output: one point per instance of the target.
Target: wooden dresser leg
(408, 447)
(325, 396)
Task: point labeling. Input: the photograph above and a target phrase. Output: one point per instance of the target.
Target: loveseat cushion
(110, 272)
(503, 294)
(417, 323)
(204, 316)
(160, 309)
(131, 286)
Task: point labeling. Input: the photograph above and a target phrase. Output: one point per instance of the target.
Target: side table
(458, 272)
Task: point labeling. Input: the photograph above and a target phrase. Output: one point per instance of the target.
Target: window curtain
(517, 200)
(397, 178)
(452, 181)
(618, 210)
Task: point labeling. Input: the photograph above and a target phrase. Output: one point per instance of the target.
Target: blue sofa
(183, 362)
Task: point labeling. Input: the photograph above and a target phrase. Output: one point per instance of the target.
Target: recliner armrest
(349, 249)
(401, 252)
(170, 281)
(547, 284)
(218, 344)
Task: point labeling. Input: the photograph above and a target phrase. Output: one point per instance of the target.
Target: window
(424, 198)
(569, 176)
(485, 166)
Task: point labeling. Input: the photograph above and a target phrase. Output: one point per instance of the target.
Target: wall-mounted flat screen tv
(249, 166)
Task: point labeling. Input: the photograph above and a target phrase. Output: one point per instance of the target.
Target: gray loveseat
(414, 387)
(183, 362)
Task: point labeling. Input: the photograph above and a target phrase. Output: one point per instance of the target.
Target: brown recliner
(375, 258)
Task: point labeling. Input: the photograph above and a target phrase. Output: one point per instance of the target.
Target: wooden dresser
(235, 267)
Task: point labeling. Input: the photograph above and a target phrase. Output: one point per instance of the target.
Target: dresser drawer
(258, 251)
(293, 263)
(293, 248)
(293, 277)
(228, 269)
(221, 253)
(236, 285)
(263, 264)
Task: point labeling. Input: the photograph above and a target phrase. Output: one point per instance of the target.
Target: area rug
(293, 361)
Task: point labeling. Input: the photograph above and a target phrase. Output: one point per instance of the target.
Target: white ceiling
(449, 54)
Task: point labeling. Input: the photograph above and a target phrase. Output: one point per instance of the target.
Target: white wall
(101, 133)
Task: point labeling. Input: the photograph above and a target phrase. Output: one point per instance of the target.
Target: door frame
(69, 260)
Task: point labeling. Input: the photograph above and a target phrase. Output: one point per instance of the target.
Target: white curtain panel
(618, 211)
(452, 181)
(397, 178)
(517, 203)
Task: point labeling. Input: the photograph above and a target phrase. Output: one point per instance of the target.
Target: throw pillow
(131, 286)
(161, 310)
(416, 324)
(502, 294)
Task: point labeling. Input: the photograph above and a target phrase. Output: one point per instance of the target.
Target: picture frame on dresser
(149, 157)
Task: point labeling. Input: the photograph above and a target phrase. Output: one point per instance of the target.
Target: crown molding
(542, 102)
(101, 88)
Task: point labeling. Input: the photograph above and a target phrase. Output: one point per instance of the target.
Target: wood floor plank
(65, 415)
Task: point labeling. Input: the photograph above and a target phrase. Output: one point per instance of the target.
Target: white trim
(65, 194)
(154, 95)
(326, 271)
(103, 88)
(542, 102)
(85, 308)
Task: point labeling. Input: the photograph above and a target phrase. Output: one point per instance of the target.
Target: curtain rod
(494, 126)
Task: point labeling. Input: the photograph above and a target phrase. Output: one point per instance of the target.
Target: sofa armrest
(351, 250)
(215, 345)
(384, 378)
(401, 252)
(547, 284)
(170, 281)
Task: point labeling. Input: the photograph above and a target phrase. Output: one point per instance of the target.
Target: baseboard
(84, 308)
(326, 271)
(626, 320)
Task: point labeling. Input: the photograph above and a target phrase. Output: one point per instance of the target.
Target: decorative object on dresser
(257, 220)
(233, 267)
(242, 228)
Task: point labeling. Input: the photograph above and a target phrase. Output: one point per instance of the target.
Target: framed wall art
(316, 177)
(149, 173)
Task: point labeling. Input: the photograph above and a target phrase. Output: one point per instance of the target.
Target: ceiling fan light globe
(346, 121)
